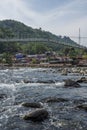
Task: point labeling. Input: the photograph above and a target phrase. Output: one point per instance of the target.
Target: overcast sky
(61, 17)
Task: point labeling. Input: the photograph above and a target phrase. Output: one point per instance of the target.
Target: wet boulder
(82, 106)
(32, 104)
(55, 99)
(71, 83)
(37, 115)
(82, 80)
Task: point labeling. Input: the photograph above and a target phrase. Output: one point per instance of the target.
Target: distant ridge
(12, 28)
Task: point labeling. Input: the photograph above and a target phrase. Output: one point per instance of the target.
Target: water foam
(60, 84)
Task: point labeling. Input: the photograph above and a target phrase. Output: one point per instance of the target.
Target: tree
(35, 48)
(7, 57)
(72, 53)
(66, 51)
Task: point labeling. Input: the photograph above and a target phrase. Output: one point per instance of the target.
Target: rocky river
(27, 90)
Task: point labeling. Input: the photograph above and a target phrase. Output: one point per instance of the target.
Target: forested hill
(12, 28)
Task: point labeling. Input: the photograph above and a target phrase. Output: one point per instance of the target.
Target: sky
(61, 17)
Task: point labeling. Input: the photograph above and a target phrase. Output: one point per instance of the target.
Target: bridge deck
(36, 40)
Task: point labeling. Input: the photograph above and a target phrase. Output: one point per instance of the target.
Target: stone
(82, 80)
(37, 115)
(64, 71)
(55, 99)
(82, 106)
(71, 83)
(32, 104)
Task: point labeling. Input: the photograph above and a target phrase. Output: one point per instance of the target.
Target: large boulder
(32, 104)
(37, 115)
(71, 83)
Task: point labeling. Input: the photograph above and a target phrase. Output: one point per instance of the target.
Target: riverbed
(37, 85)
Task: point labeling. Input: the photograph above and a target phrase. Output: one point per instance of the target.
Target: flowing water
(42, 84)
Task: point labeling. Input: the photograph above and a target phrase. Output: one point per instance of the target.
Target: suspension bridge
(25, 38)
(34, 40)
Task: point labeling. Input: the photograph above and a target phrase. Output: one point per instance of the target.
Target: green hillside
(12, 29)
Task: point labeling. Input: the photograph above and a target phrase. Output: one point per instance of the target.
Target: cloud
(16, 9)
(67, 19)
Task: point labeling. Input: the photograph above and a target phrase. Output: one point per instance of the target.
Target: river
(36, 85)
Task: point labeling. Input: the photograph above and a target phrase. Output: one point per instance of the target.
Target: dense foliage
(11, 29)
(14, 29)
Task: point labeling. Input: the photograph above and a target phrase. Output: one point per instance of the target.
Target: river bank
(45, 65)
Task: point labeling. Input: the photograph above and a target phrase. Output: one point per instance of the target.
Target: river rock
(64, 71)
(55, 99)
(82, 80)
(82, 106)
(71, 83)
(32, 104)
(37, 115)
